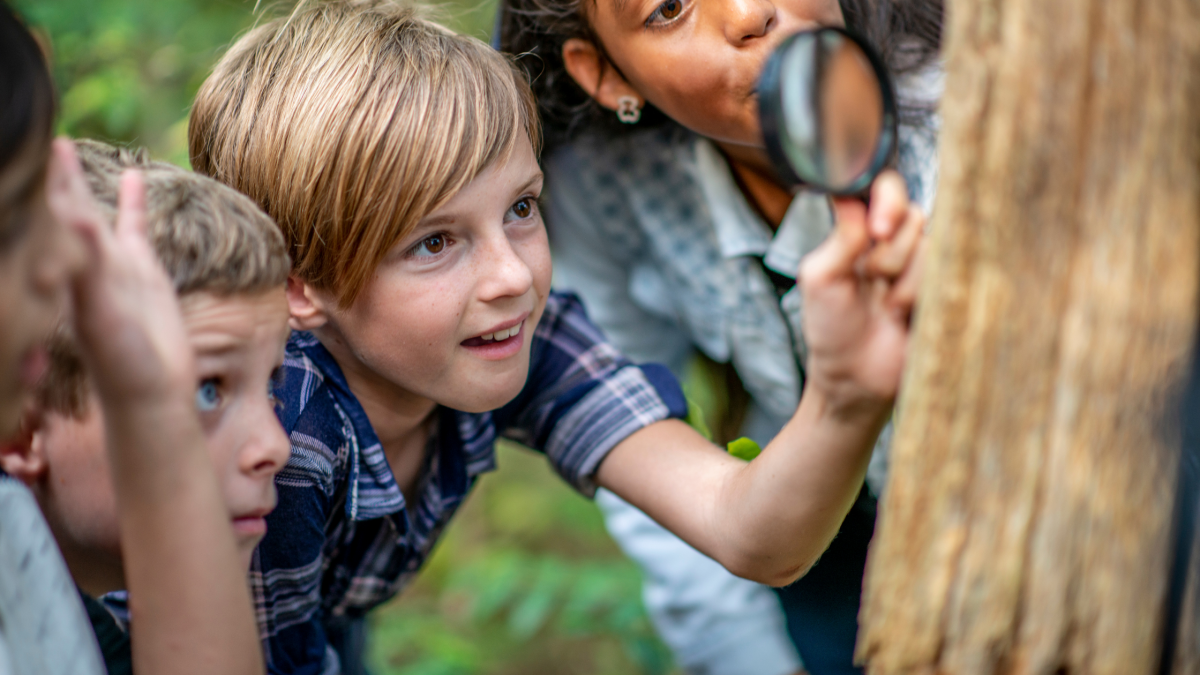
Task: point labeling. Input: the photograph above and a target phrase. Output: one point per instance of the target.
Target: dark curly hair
(906, 33)
(27, 107)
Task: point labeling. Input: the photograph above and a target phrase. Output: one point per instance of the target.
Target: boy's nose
(268, 449)
(504, 273)
(748, 19)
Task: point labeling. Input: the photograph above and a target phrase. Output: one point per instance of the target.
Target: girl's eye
(431, 245)
(523, 208)
(665, 12)
(208, 395)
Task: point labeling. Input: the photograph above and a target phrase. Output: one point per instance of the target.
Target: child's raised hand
(125, 313)
(858, 288)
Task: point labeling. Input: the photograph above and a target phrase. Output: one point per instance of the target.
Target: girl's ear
(595, 75)
(24, 457)
(306, 310)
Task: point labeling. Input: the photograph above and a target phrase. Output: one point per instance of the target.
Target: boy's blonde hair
(209, 237)
(349, 121)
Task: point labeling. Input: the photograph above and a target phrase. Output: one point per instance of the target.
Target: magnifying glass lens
(828, 112)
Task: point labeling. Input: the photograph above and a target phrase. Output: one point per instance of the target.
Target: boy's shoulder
(301, 380)
(317, 411)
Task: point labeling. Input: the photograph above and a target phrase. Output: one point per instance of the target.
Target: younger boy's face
(238, 343)
(450, 313)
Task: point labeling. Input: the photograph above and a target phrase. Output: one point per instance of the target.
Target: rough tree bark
(1025, 527)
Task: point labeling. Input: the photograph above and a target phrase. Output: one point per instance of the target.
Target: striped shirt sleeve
(583, 397)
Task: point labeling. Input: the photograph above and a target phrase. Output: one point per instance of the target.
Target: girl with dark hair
(186, 581)
(666, 217)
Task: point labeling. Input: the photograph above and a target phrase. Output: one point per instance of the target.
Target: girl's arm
(770, 519)
(188, 592)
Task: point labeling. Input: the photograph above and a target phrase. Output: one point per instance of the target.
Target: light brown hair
(349, 121)
(209, 237)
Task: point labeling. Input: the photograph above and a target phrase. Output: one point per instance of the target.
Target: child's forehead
(507, 177)
(227, 323)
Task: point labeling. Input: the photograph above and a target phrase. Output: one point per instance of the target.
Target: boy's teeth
(503, 334)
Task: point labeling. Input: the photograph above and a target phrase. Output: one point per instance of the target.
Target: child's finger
(131, 205)
(889, 205)
(70, 200)
(890, 258)
(66, 186)
(903, 293)
(839, 253)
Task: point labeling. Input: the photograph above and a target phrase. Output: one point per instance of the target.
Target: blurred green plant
(128, 70)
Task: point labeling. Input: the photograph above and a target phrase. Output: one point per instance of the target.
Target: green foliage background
(526, 581)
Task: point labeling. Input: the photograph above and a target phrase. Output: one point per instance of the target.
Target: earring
(629, 110)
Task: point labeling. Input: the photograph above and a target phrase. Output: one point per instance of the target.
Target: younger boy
(399, 161)
(228, 265)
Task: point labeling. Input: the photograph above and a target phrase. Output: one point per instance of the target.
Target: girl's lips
(33, 366)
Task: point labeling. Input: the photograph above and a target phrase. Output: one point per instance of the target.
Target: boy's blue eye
(523, 208)
(429, 246)
(208, 395)
(666, 12)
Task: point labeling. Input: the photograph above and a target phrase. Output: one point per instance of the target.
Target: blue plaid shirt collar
(372, 490)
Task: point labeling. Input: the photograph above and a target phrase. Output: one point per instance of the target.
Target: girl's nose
(748, 19)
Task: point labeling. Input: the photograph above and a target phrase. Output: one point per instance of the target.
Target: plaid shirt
(343, 539)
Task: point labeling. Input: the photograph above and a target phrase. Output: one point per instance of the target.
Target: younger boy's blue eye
(208, 395)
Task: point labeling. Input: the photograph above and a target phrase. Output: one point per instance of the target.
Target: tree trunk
(1026, 526)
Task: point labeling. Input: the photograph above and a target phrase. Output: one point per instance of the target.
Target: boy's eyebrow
(216, 343)
(534, 180)
(434, 221)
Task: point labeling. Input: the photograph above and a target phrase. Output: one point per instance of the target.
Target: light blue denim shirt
(652, 231)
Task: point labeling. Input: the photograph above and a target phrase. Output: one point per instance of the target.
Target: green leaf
(695, 418)
(744, 448)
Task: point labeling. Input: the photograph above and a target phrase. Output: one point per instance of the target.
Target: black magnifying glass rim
(770, 113)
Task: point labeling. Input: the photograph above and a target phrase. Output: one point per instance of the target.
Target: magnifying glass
(828, 111)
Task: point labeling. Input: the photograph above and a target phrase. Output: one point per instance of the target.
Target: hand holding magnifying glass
(829, 122)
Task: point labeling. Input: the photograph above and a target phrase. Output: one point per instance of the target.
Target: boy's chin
(481, 399)
(246, 552)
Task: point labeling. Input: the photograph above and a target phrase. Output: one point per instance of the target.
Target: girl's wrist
(847, 405)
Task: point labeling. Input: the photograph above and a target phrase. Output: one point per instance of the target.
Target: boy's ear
(24, 457)
(591, 71)
(306, 310)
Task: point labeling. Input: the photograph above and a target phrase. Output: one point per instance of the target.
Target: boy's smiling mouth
(500, 342)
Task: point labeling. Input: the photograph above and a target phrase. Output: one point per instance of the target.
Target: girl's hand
(858, 289)
(125, 313)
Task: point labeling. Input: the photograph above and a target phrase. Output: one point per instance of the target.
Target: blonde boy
(400, 162)
(228, 265)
